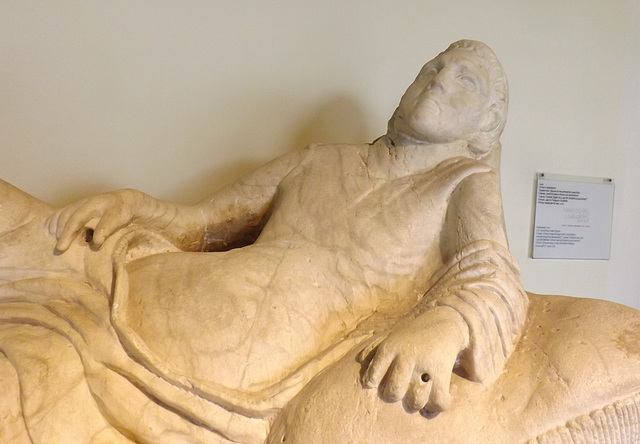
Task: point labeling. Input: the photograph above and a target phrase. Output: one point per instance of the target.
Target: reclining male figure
(410, 223)
(383, 266)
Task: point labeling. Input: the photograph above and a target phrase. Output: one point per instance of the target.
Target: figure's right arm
(218, 220)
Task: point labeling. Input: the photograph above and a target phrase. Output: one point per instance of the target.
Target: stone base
(573, 377)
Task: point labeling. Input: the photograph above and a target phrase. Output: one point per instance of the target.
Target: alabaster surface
(340, 293)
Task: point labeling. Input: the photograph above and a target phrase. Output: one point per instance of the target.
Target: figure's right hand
(104, 213)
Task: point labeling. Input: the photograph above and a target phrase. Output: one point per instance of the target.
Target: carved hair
(481, 142)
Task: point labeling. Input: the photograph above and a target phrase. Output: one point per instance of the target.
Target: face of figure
(448, 101)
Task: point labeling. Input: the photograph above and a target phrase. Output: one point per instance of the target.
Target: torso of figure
(353, 230)
(366, 203)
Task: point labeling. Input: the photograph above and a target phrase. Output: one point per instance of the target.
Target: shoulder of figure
(334, 146)
(330, 150)
(480, 185)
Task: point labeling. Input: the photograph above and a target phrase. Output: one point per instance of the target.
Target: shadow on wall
(340, 119)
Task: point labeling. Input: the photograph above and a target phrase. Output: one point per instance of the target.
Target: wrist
(450, 322)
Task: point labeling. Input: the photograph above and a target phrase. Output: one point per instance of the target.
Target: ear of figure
(483, 142)
(491, 121)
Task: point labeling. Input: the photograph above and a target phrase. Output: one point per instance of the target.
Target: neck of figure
(401, 156)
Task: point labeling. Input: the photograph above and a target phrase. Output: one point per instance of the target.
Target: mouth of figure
(429, 105)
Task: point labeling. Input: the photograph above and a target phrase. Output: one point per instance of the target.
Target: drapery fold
(482, 283)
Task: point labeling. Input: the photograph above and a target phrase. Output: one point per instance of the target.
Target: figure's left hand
(415, 361)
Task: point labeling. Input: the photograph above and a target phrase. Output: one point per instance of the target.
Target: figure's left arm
(472, 313)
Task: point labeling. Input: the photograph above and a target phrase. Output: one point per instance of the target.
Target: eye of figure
(469, 81)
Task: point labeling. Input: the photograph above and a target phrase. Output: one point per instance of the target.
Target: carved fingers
(450, 173)
(452, 169)
(414, 363)
(98, 216)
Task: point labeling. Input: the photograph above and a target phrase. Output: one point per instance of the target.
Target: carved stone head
(462, 94)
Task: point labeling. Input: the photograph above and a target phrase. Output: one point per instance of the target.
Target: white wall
(177, 98)
(624, 280)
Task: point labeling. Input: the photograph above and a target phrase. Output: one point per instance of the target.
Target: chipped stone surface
(340, 293)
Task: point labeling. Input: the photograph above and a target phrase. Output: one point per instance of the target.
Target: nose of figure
(433, 92)
(435, 85)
